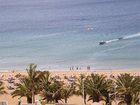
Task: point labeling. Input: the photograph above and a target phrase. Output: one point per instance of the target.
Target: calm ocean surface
(58, 34)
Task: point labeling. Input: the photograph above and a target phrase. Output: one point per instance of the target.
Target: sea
(60, 34)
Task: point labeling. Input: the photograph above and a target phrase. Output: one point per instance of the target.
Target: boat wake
(120, 38)
(113, 40)
(131, 36)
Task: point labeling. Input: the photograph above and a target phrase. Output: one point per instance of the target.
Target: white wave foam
(52, 34)
(45, 36)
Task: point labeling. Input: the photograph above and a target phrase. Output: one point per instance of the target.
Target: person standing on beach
(88, 67)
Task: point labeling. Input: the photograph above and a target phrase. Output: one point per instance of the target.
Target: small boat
(109, 41)
(102, 43)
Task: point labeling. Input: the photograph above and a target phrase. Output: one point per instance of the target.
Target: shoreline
(75, 68)
(76, 72)
(68, 69)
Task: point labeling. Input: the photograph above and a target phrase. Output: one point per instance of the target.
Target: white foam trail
(125, 37)
(45, 36)
(113, 40)
(132, 36)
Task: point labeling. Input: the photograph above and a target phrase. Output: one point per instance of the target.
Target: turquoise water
(58, 34)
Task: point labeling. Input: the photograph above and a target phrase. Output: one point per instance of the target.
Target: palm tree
(33, 77)
(50, 89)
(67, 91)
(2, 91)
(23, 89)
(109, 91)
(45, 79)
(29, 85)
(80, 84)
(45, 82)
(128, 88)
(97, 87)
(52, 93)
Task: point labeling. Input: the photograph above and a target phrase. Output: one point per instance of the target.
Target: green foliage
(34, 79)
(29, 85)
(51, 93)
(50, 90)
(128, 88)
(67, 91)
(23, 90)
(80, 84)
(98, 87)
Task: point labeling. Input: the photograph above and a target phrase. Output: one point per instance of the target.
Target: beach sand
(74, 99)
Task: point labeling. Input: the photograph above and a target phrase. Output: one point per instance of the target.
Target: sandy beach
(74, 99)
(69, 38)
